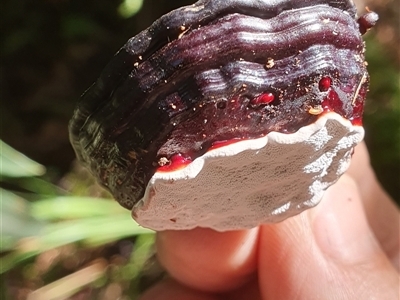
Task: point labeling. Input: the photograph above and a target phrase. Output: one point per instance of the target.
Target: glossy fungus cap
(228, 114)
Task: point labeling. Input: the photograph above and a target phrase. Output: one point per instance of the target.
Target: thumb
(329, 252)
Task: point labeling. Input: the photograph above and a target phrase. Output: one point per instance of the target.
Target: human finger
(381, 211)
(208, 260)
(328, 252)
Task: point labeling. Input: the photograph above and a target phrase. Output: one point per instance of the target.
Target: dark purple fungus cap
(228, 114)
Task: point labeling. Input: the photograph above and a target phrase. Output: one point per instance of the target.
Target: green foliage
(34, 222)
(128, 8)
(15, 164)
(16, 221)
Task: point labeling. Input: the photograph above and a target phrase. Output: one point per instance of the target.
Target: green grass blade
(15, 164)
(88, 231)
(15, 220)
(72, 207)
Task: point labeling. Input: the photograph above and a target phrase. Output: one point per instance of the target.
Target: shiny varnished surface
(215, 72)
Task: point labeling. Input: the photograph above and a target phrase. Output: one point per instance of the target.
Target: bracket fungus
(228, 114)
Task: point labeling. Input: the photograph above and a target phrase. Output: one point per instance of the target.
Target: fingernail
(340, 226)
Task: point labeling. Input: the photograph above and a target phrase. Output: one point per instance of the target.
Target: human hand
(347, 247)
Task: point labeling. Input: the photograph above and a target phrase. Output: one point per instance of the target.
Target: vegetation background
(57, 240)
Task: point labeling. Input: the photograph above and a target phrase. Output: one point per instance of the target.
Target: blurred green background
(61, 234)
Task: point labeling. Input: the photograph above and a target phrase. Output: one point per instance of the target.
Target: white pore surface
(250, 182)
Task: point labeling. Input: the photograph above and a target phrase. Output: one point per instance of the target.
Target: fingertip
(208, 260)
(328, 250)
(381, 211)
(348, 244)
(339, 224)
